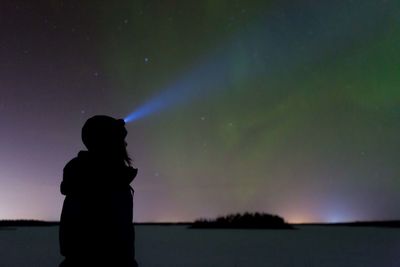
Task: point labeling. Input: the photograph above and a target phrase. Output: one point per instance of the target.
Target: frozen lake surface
(310, 246)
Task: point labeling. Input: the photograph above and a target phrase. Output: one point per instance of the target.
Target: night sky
(285, 107)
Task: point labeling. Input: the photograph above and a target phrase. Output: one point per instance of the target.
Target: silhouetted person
(96, 226)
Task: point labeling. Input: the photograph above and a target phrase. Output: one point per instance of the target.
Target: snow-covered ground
(310, 246)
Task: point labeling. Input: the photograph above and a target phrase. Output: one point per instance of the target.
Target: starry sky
(285, 107)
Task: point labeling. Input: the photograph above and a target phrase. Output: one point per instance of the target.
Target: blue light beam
(206, 77)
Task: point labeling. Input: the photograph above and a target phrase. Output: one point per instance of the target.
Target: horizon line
(191, 222)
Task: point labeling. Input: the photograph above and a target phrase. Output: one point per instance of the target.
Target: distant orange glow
(300, 216)
(298, 219)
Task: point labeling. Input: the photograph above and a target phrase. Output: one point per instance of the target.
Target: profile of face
(105, 135)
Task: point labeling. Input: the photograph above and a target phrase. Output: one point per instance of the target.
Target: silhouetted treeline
(26, 223)
(246, 220)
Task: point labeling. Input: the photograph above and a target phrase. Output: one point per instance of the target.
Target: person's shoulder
(78, 162)
(72, 173)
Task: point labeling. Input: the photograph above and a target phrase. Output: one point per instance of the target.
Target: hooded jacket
(96, 219)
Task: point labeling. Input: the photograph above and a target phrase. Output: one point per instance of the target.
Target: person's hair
(106, 134)
(127, 158)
